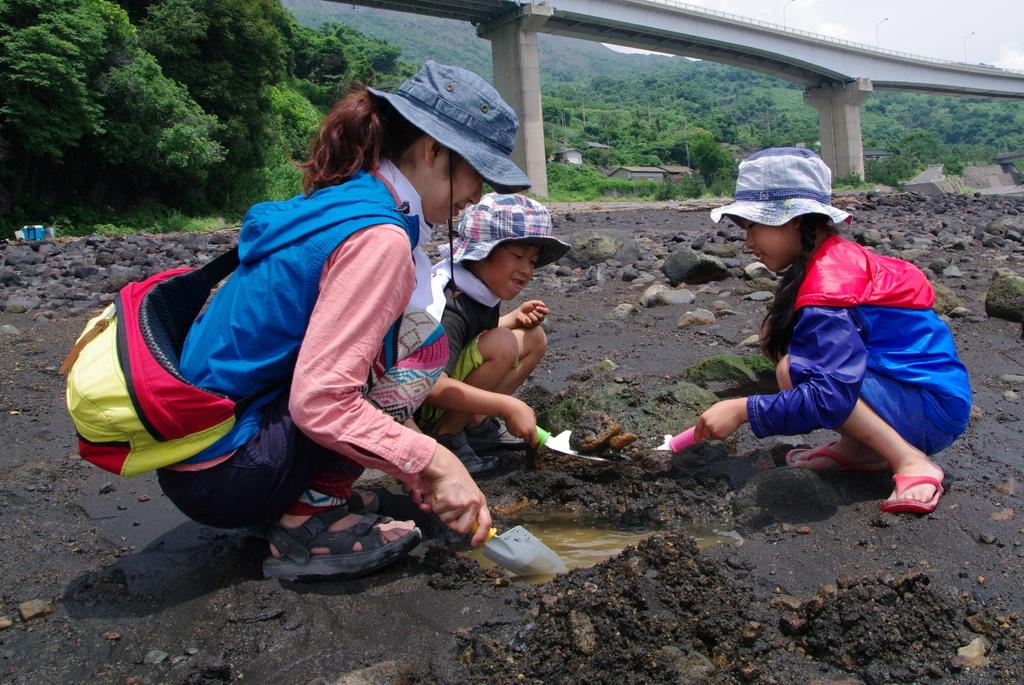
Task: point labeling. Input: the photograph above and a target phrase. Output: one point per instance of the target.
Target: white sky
(930, 28)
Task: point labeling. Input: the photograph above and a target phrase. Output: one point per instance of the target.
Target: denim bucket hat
(499, 219)
(780, 183)
(464, 113)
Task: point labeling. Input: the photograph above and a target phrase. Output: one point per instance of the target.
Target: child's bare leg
(531, 344)
(847, 446)
(865, 436)
(499, 349)
(868, 428)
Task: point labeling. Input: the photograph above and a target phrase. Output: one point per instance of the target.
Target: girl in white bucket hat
(857, 346)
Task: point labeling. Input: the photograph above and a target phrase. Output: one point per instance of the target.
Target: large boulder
(1005, 297)
(686, 265)
(595, 247)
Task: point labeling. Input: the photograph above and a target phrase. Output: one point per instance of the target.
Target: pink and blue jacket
(858, 313)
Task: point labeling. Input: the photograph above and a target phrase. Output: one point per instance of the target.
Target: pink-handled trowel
(677, 443)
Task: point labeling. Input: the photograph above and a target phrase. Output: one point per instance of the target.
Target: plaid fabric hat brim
(778, 184)
(778, 212)
(500, 218)
(465, 114)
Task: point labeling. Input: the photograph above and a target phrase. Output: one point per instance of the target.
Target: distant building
(596, 145)
(876, 154)
(639, 173)
(674, 172)
(568, 156)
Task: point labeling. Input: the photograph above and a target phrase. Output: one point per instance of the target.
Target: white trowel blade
(521, 552)
(664, 446)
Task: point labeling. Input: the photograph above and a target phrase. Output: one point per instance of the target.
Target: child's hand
(721, 420)
(521, 421)
(530, 313)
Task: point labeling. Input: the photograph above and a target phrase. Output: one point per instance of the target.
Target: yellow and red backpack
(132, 408)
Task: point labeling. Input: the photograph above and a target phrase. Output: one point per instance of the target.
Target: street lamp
(877, 41)
(965, 43)
(784, 12)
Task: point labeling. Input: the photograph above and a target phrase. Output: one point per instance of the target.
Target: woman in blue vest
(322, 329)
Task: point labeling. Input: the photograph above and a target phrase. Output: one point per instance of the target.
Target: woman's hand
(530, 313)
(446, 489)
(520, 420)
(721, 420)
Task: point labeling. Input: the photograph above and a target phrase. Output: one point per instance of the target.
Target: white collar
(465, 281)
(400, 185)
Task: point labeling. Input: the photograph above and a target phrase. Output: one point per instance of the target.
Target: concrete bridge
(837, 75)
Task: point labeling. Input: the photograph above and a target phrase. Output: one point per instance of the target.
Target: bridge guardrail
(838, 41)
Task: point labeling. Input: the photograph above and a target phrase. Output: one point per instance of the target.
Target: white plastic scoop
(522, 553)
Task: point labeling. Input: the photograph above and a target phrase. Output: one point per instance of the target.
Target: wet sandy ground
(128, 590)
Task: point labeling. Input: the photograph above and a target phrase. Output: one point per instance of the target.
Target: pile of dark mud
(663, 613)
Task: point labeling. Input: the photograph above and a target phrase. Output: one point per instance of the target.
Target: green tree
(228, 53)
(50, 54)
(153, 128)
(709, 159)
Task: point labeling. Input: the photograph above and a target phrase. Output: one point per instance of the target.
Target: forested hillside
(652, 108)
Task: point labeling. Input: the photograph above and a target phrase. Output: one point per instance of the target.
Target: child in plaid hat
(858, 348)
(502, 239)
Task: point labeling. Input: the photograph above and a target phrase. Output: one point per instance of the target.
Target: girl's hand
(520, 420)
(530, 313)
(721, 420)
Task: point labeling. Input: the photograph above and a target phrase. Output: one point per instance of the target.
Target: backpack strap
(216, 270)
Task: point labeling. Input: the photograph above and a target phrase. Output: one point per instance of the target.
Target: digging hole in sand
(582, 540)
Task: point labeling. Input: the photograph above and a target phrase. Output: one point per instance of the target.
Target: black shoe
(492, 434)
(474, 463)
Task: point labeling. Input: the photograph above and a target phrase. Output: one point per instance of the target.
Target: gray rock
(759, 296)
(698, 317)
(8, 329)
(623, 311)
(1003, 224)
(722, 249)
(1005, 297)
(594, 247)
(952, 272)
(688, 266)
(19, 304)
(757, 270)
(693, 666)
(869, 237)
(154, 657)
(390, 672)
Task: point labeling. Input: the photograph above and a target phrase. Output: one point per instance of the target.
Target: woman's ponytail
(356, 134)
(777, 328)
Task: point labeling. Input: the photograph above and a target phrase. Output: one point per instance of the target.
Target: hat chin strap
(451, 229)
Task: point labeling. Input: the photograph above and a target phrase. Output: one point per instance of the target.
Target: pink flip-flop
(910, 506)
(798, 459)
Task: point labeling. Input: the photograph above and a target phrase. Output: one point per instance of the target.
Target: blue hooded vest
(246, 343)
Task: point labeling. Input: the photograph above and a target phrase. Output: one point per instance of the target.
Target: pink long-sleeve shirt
(365, 286)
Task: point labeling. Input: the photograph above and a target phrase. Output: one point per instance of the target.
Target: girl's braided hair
(777, 327)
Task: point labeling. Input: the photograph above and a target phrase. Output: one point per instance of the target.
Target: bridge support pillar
(517, 77)
(838, 105)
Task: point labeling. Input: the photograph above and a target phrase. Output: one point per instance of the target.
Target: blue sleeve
(827, 359)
